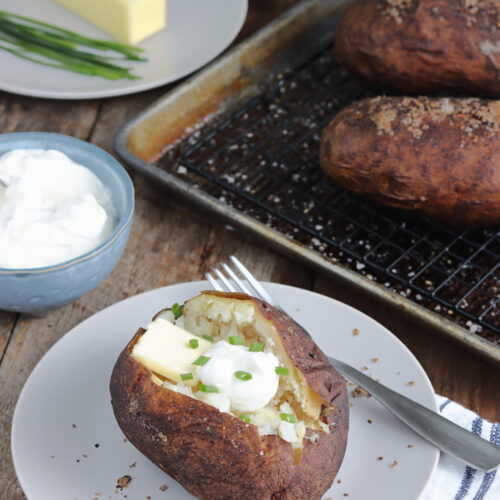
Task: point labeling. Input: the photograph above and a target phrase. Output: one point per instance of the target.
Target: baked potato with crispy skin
(216, 455)
(436, 156)
(423, 46)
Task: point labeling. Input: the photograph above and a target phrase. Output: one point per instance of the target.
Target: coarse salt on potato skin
(423, 46)
(436, 156)
(215, 455)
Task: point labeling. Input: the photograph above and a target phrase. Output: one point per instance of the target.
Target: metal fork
(441, 432)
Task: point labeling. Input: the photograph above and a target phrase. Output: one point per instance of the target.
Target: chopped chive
(243, 375)
(236, 340)
(176, 309)
(208, 337)
(202, 360)
(256, 347)
(288, 417)
(281, 370)
(193, 343)
(208, 388)
(187, 376)
(245, 417)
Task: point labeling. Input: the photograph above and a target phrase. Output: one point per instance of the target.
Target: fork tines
(230, 282)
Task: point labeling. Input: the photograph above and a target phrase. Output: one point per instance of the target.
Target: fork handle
(441, 432)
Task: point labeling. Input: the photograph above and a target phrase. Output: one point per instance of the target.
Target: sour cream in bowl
(66, 208)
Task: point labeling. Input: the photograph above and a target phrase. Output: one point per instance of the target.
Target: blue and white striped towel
(455, 481)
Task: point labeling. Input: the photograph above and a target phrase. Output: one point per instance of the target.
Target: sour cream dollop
(51, 209)
(240, 395)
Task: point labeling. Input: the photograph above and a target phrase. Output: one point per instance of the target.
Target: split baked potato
(423, 46)
(223, 454)
(439, 157)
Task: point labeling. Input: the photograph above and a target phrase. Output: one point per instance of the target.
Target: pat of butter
(128, 21)
(164, 349)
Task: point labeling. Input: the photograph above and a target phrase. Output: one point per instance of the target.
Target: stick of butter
(128, 21)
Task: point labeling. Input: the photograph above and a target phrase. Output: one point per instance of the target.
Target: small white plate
(66, 443)
(196, 32)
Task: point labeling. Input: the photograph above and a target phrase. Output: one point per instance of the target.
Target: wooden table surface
(171, 242)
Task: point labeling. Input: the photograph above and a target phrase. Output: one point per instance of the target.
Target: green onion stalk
(50, 45)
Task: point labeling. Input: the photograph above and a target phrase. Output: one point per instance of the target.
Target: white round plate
(196, 32)
(66, 443)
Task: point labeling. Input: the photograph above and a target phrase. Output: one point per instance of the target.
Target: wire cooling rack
(262, 160)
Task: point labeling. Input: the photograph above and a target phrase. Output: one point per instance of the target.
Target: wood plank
(7, 321)
(454, 372)
(25, 114)
(262, 12)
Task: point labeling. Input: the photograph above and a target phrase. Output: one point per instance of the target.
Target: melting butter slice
(128, 21)
(164, 349)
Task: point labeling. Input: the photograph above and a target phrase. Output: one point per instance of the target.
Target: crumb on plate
(123, 482)
(359, 391)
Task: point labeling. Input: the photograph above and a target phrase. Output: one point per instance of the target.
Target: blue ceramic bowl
(38, 290)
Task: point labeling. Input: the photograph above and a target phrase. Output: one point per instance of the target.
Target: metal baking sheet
(241, 140)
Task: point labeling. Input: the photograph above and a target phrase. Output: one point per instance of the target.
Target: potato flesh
(224, 317)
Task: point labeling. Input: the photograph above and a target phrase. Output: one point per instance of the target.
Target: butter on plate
(128, 21)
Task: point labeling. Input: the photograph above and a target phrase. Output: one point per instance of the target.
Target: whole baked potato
(436, 156)
(423, 45)
(291, 448)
